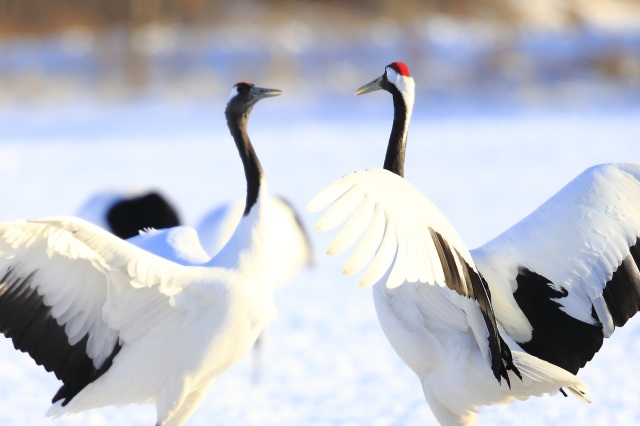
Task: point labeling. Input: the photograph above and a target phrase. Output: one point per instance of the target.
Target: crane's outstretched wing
(72, 294)
(389, 215)
(217, 226)
(565, 276)
(404, 238)
(180, 244)
(290, 247)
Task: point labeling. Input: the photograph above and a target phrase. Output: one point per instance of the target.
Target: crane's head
(245, 95)
(396, 78)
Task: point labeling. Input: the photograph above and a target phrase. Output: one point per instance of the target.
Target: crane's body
(119, 324)
(515, 318)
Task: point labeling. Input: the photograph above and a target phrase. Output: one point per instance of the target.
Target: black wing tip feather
(449, 262)
(27, 321)
(473, 285)
(622, 291)
(558, 337)
(68, 390)
(501, 358)
(503, 363)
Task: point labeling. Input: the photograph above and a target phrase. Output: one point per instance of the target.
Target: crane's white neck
(405, 85)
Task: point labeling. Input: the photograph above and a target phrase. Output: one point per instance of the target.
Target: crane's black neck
(237, 122)
(394, 159)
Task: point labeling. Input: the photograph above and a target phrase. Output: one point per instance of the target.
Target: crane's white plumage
(118, 324)
(112, 293)
(395, 216)
(433, 303)
(289, 252)
(292, 249)
(589, 225)
(145, 212)
(582, 244)
(180, 244)
(440, 333)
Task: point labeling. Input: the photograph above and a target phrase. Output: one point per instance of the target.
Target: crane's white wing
(180, 244)
(215, 228)
(71, 294)
(399, 230)
(404, 238)
(290, 248)
(567, 274)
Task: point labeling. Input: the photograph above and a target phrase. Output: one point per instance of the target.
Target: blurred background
(496, 51)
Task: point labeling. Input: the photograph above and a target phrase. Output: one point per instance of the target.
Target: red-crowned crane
(120, 325)
(290, 251)
(529, 308)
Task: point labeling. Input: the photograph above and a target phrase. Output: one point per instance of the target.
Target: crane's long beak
(372, 86)
(261, 92)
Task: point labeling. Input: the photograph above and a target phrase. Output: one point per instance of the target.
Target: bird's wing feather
(290, 246)
(579, 251)
(388, 216)
(92, 283)
(180, 244)
(215, 228)
(404, 238)
(542, 374)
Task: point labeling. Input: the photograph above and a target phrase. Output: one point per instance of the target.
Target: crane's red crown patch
(401, 68)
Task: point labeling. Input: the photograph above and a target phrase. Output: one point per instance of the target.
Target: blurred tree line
(124, 47)
(47, 16)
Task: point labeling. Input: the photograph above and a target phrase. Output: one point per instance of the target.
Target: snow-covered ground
(325, 360)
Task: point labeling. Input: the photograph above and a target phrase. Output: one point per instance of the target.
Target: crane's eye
(243, 87)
